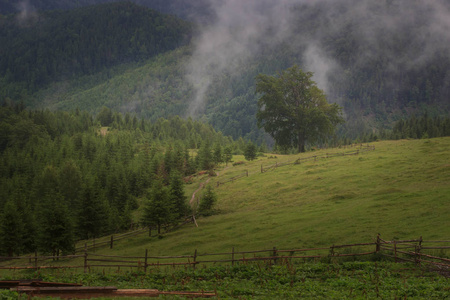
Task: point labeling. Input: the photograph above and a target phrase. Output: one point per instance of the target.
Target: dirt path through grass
(202, 185)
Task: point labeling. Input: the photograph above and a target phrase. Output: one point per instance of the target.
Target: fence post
(195, 258)
(232, 257)
(418, 248)
(35, 260)
(395, 251)
(274, 255)
(378, 246)
(145, 263)
(85, 258)
(112, 242)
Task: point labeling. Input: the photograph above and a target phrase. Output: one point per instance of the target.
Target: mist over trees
(379, 60)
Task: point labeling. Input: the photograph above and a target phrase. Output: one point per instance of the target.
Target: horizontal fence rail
(405, 250)
(361, 148)
(232, 179)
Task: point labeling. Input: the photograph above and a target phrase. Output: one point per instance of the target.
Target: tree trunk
(301, 143)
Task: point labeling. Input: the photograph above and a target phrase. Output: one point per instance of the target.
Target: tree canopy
(293, 110)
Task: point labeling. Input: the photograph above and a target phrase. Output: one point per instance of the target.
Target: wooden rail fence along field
(361, 148)
(417, 251)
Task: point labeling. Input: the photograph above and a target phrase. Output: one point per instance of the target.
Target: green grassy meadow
(400, 190)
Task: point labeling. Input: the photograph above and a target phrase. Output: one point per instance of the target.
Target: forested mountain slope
(381, 61)
(57, 45)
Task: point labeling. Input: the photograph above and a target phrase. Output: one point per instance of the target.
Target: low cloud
(241, 30)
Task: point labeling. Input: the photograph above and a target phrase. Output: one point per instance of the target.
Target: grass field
(400, 190)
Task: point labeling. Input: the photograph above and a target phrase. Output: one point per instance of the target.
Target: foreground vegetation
(347, 280)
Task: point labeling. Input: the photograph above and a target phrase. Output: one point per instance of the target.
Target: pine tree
(250, 151)
(227, 155)
(56, 227)
(158, 210)
(217, 154)
(11, 230)
(92, 215)
(177, 195)
(208, 200)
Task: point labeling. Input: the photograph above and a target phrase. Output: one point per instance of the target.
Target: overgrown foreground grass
(348, 280)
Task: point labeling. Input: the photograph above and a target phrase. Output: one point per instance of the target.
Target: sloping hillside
(400, 190)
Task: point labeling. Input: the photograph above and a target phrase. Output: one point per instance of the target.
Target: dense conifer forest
(67, 175)
(59, 45)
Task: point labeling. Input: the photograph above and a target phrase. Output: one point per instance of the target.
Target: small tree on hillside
(228, 155)
(251, 151)
(208, 200)
(217, 154)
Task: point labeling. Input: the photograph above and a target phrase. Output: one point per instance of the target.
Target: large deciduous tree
(293, 110)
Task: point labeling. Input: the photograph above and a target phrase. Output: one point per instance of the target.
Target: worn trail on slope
(202, 185)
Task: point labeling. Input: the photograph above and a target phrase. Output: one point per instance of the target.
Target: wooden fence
(362, 148)
(418, 251)
(232, 179)
(109, 240)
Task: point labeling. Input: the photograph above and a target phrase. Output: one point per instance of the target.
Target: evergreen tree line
(64, 177)
(415, 127)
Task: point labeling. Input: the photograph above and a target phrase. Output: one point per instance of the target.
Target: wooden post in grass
(232, 257)
(35, 260)
(274, 255)
(395, 251)
(112, 242)
(145, 263)
(378, 246)
(85, 258)
(195, 258)
(417, 250)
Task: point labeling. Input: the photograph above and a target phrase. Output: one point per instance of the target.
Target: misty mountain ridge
(379, 60)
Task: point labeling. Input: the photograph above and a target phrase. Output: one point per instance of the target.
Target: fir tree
(11, 230)
(177, 195)
(158, 210)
